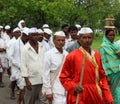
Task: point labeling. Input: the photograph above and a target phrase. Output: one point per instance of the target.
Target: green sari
(111, 62)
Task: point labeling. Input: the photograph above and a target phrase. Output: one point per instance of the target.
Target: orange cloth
(70, 78)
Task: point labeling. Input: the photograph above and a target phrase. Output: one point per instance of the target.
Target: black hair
(108, 31)
(64, 25)
(71, 28)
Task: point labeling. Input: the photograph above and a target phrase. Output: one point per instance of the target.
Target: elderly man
(82, 74)
(53, 61)
(31, 67)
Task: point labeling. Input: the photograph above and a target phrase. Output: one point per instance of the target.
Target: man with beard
(82, 74)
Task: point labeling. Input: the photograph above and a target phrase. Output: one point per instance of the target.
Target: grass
(98, 40)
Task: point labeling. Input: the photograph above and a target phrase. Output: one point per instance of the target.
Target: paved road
(5, 92)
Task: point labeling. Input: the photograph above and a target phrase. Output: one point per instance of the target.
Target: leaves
(57, 12)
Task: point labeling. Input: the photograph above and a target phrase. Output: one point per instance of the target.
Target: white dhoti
(17, 76)
(59, 99)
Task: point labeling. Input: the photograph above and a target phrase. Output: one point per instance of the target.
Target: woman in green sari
(110, 55)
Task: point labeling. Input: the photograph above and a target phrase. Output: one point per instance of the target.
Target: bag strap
(57, 71)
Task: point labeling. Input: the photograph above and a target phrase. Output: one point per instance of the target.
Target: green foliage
(57, 12)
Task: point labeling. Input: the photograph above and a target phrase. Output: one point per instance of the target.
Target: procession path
(5, 92)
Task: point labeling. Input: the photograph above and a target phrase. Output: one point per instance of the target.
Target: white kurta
(46, 45)
(53, 58)
(3, 54)
(32, 63)
(15, 56)
(5, 37)
(8, 48)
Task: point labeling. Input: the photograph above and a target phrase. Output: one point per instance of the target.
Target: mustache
(87, 43)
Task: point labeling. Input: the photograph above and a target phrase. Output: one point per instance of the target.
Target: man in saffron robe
(94, 87)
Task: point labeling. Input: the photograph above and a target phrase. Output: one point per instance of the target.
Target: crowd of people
(60, 67)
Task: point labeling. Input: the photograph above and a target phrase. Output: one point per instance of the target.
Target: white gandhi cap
(45, 26)
(59, 33)
(7, 27)
(32, 30)
(85, 30)
(16, 29)
(25, 31)
(48, 31)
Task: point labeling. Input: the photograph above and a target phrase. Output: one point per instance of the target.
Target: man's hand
(28, 84)
(50, 97)
(78, 89)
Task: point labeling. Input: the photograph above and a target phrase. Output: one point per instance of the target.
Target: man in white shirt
(53, 61)
(31, 67)
(2, 57)
(15, 55)
(16, 34)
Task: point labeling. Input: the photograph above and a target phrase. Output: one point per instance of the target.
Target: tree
(57, 12)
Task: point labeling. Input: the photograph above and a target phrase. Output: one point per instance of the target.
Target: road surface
(5, 92)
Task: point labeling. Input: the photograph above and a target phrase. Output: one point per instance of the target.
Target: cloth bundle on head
(32, 30)
(16, 29)
(85, 30)
(45, 26)
(7, 27)
(59, 33)
(40, 31)
(48, 31)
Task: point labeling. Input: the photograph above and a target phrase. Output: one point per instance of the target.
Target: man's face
(47, 36)
(40, 36)
(65, 29)
(86, 40)
(25, 38)
(23, 24)
(17, 34)
(33, 37)
(73, 34)
(59, 42)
